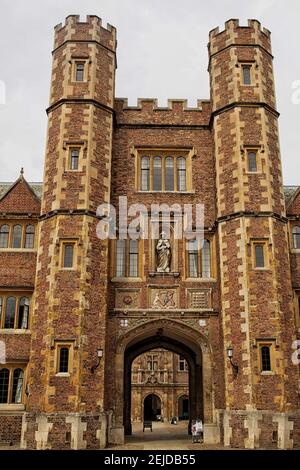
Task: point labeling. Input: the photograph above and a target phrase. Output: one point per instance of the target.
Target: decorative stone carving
(151, 379)
(163, 298)
(127, 298)
(200, 298)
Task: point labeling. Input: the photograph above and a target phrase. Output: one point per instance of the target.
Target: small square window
(79, 72)
(246, 74)
(124, 322)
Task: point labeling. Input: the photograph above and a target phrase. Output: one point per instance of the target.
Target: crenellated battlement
(176, 112)
(152, 103)
(234, 33)
(90, 30)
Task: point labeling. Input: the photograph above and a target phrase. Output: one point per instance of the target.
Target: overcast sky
(162, 41)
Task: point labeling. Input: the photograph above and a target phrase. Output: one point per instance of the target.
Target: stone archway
(183, 407)
(152, 405)
(171, 335)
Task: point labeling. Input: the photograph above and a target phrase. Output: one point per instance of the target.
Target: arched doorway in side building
(152, 408)
(183, 407)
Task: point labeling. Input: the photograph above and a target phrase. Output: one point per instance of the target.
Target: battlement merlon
(252, 34)
(89, 30)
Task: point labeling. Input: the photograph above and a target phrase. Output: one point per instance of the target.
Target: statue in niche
(163, 251)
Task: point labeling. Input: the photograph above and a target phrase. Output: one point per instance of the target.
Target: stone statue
(163, 250)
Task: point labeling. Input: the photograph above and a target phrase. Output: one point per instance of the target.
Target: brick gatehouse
(76, 310)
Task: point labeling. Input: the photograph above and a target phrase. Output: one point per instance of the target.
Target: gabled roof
(20, 196)
(290, 193)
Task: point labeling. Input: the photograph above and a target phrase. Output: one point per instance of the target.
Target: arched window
(145, 174)
(1, 306)
(4, 235)
(17, 236)
(4, 382)
(29, 236)
(157, 175)
(296, 237)
(23, 313)
(206, 257)
(17, 387)
(181, 174)
(169, 176)
(10, 312)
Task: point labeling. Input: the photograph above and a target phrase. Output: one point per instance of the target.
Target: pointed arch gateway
(172, 335)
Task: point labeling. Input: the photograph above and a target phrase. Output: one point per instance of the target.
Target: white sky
(161, 53)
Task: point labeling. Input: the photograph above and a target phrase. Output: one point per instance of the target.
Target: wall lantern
(229, 355)
(99, 356)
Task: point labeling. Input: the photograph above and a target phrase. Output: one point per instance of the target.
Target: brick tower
(256, 289)
(69, 317)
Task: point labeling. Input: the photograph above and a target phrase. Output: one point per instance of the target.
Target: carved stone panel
(127, 298)
(199, 298)
(163, 298)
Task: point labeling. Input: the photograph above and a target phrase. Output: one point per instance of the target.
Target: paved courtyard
(165, 436)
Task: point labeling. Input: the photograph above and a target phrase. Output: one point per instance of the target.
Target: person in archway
(197, 430)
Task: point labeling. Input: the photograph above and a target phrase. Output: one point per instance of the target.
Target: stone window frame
(74, 61)
(186, 273)
(24, 224)
(164, 152)
(113, 247)
(61, 344)
(68, 146)
(18, 295)
(265, 243)
(12, 366)
(62, 243)
(259, 150)
(273, 345)
(253, 65)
